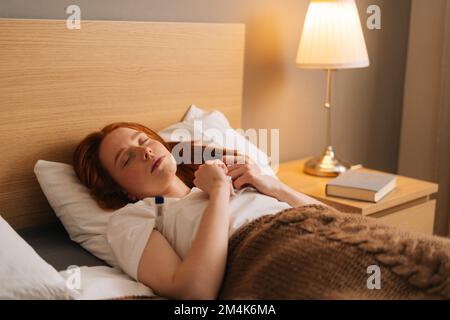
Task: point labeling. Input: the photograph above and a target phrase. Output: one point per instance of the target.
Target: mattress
(53, 244)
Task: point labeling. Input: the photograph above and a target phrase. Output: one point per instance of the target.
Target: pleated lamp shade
(332, 37)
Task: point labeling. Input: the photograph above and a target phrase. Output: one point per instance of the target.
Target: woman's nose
(146, 153)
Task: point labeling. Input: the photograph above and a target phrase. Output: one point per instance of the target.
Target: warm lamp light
(332, 39)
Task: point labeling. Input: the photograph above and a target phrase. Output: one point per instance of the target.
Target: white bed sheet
(101, 282)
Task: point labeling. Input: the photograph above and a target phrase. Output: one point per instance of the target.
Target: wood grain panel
(57, 85)
(419, 218)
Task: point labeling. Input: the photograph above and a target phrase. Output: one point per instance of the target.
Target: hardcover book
(362, 185)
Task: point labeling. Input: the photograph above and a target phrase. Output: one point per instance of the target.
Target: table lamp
(332, 39)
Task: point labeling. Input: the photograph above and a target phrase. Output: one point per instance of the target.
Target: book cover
(361, 185)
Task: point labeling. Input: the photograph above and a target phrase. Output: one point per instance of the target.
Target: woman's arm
(200, 274)
(248, 173)
(293, 198)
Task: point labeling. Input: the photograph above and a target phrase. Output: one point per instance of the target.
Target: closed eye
(130, 156)
(143, 141)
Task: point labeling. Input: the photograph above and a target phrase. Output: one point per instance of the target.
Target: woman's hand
(244, 172)
(212, 176)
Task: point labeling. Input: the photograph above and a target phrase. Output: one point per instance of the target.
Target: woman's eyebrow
(133, 136)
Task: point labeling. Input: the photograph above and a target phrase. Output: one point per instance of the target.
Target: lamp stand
(328, 164)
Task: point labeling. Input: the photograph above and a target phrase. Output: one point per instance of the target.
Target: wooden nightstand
(410, 206)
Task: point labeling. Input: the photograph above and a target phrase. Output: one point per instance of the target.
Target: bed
(57, 85)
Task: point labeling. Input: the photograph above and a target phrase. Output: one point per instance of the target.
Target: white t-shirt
(130, 227)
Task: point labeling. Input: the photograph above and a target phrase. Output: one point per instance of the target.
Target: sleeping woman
(228, 231)
(184, 257)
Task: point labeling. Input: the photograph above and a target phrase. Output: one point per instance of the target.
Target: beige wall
(276, 94)
(422, 89)
(425, 139)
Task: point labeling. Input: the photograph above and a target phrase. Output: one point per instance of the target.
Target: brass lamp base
(327, 165)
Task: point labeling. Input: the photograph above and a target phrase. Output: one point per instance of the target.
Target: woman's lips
(157, 163)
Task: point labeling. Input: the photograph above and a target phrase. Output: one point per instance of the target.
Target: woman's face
(143, 167)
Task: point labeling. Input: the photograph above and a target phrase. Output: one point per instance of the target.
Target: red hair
(105, 190)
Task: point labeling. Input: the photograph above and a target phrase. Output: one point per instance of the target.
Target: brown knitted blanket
(314, 252)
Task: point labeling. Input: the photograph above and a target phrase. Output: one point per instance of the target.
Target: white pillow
(214, 128)
(23, 273)
(81, 216)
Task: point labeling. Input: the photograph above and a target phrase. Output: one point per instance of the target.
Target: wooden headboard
(57, 85)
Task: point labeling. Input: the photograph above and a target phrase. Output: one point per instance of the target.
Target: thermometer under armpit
(159, 203)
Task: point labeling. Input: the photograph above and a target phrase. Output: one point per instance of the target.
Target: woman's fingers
(238, 166)
(237, 171)
(230, 160)
(218, 163)
(211, 174)
(244, 179)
